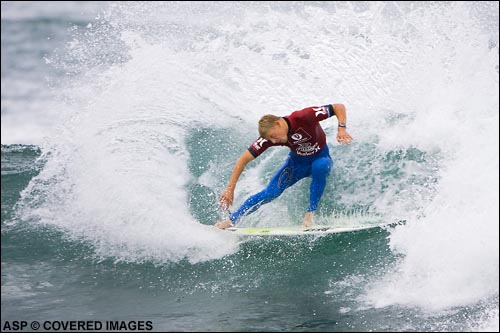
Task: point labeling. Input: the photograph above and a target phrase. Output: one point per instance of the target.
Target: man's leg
(320, 170)
(285, 177)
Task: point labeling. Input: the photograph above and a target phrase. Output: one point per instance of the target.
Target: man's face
(277, 134)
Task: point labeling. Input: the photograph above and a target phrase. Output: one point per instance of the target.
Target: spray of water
(421, 85)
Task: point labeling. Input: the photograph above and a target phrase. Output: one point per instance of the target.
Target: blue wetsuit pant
(294, 169)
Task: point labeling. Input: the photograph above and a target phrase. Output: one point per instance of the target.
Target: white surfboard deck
(299, 230)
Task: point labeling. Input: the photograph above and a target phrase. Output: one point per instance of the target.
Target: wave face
(157, 101)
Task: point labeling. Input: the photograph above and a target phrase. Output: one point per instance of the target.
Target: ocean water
(121, 123)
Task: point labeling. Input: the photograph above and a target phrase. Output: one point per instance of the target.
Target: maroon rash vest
(305, 135)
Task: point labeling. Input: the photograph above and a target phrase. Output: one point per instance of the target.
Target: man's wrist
(342, 125)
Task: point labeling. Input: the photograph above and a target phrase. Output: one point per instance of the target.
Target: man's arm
(340, 112)
(226, 199)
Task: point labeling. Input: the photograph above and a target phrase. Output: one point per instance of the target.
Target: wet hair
(266, 123)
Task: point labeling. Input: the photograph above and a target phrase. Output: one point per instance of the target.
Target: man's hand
(226, 199)
(343, 137)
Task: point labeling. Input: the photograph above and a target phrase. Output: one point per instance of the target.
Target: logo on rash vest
(259, 143)
(307, 149)
(320, 110)
(299, 136)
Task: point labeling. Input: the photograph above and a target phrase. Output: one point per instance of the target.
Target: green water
(305, 283)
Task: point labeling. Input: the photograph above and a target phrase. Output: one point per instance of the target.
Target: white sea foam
(451, 246)
(413, 76)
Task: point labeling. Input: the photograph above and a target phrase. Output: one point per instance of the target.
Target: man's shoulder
(308, 113)
(259, 146)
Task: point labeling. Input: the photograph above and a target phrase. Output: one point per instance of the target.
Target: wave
(135, 168)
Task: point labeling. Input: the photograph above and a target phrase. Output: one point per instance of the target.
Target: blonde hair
(266, 123)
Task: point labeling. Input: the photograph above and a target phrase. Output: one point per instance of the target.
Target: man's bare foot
(308, 220)
(224, 224)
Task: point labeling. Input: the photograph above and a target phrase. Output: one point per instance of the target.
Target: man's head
(273, 128)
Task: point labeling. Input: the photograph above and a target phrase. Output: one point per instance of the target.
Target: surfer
(309, 156)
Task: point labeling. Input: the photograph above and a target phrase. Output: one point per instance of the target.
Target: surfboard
(299, 230)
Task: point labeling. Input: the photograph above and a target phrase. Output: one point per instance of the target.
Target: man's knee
(272, 193)
(321, 167)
